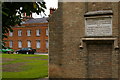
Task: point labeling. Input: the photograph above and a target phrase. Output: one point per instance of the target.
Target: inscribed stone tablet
(98, 26)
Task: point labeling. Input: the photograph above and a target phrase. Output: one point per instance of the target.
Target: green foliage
(10, 9)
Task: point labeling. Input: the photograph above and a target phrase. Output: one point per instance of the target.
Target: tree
(10, 9)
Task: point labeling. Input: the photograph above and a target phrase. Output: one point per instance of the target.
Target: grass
(24, 66)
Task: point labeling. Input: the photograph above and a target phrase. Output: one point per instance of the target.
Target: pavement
(37, 53)
(41, 53)
(42, 79)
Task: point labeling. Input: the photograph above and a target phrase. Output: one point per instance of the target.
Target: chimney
(52, 10)
(26, 17)
(24, 14)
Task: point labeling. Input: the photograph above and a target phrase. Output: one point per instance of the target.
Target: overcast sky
(49, 4)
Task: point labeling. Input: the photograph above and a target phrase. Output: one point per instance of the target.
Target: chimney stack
(25, 17)
(52, 10)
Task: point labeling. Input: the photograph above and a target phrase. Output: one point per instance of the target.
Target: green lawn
(24, 66)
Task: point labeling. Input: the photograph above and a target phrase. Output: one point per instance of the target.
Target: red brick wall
(33, 38)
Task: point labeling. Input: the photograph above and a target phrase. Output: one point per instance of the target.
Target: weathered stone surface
(98, 26)
(67, 29)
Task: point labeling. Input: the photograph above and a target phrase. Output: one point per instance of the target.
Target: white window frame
(29, 43)
(19, 44)
(19, 32)
(38, 32)
(28, 32)
(47, 32)
(10, 34)
(10, 43)
(38, 44)
(47, 44)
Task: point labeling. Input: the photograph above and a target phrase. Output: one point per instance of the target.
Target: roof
(36, 20)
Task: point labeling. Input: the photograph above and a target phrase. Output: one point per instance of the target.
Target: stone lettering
(98, 26)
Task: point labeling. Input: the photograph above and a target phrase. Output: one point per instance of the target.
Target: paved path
(42, 79)
(38, 53)
(41, 53)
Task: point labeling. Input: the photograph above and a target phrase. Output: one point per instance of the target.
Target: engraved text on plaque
(98, 26)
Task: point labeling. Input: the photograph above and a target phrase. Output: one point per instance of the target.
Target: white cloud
(49, 4)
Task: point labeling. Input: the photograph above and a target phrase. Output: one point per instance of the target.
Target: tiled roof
(36, 20)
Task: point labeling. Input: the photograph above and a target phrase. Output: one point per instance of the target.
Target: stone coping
(97, 13)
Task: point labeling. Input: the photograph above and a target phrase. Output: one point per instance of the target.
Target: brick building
(85, 40)
(32, 33)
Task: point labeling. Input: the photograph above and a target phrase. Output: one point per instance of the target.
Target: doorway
(99, 59)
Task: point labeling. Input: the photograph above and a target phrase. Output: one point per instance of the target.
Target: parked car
(26, 51)
(7, 50)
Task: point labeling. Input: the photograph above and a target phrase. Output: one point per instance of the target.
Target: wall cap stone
(100, 39)
(98, 13)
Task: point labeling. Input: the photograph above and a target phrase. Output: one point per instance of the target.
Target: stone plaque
(98, 26)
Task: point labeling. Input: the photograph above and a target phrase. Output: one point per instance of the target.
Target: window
(46, 31)
(19, 44)
(28, 32)
(38, 44)
(10, 34)
(38, 31)
(47, 44)
(29, 43)
(11, 44)
(19, 32)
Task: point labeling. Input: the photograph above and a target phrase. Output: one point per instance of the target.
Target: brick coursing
(67, 28)
(33, 38)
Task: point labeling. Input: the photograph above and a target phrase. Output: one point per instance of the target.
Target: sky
(49, 4)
